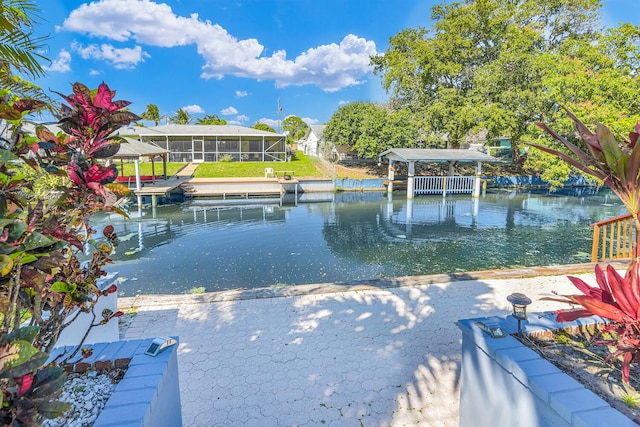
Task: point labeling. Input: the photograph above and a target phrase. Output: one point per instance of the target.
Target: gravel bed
(87, 394)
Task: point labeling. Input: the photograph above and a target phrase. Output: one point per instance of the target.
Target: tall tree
(296, 127)
(370, 129)
(180, 118)
(210, 119)
(152, 113)
(482, 64)
(263, 126)
(598, 82)
(20, 50)
(346, 124)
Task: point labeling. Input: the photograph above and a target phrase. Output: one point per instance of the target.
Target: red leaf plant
(616, 298)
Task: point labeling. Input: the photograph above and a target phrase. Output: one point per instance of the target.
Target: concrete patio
(381, 353)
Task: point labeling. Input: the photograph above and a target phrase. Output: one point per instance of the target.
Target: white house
(310, 144)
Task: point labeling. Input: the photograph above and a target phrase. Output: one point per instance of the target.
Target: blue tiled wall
(149, 393)
(505, 383)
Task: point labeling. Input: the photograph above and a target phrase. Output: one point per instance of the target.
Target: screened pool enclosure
(212, 143)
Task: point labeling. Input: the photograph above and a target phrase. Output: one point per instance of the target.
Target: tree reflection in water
(353, 236)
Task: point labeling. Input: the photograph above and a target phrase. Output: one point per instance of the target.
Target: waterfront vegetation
(44, 284)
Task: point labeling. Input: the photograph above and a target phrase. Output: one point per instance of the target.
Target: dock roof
(436, 155)
(133, 149)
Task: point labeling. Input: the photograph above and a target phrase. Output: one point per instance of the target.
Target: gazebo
(437, 184)
(134, 150)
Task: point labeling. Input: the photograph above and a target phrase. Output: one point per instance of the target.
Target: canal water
(203, 247)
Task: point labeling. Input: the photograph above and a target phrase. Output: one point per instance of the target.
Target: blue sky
(235, 58)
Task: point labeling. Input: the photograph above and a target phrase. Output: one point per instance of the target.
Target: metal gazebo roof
(133, 149)
(436, 155)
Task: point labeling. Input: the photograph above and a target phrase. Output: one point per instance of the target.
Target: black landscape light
(520, 303)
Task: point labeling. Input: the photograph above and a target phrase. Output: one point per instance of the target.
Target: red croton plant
(50, 262)
(617, 297)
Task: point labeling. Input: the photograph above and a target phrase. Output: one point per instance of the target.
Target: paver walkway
(374, 357)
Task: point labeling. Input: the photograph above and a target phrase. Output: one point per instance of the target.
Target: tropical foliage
(20, 50)
(210, 119)
(616, 298)
(152, 113)
(181, 117)
(44, 237)
(502, 66)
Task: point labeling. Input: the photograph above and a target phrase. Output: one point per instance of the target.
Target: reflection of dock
(243, 187)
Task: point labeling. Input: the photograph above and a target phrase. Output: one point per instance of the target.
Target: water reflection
(350, 236)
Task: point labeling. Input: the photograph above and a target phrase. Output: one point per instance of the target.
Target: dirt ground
(572, 353)
(372, 170)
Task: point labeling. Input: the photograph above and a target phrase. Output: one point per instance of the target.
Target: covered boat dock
(133, 149)
(449, 184)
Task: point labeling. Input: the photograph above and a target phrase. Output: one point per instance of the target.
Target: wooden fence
(613, 238)
(443, 185)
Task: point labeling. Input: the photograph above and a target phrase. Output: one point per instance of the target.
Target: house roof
(318, 130)
(343, 149)
(436, 155)
(133, 149)
(200, 130)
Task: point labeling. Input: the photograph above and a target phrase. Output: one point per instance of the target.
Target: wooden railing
(613, 238)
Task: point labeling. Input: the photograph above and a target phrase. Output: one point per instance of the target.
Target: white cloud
(270, 122)
(93, 72)
(242, 118)
(229, 111)
(121, 58)
(241, 93)
(341, 102)
(309, 121)
(61, 64)
(330, 67)
(193, 109)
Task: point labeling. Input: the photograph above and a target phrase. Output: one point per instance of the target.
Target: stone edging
(525, 389)
(128, 303)
(149, 393)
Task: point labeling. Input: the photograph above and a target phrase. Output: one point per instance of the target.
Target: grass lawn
(301, 165)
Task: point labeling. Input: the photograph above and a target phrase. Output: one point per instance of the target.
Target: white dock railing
(443, 184)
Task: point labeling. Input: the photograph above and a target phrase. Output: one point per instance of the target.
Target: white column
(412, 169)
(391, 175)
(136, 163)
(477, 183)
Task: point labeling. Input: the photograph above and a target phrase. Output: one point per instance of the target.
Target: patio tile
(380, 357)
